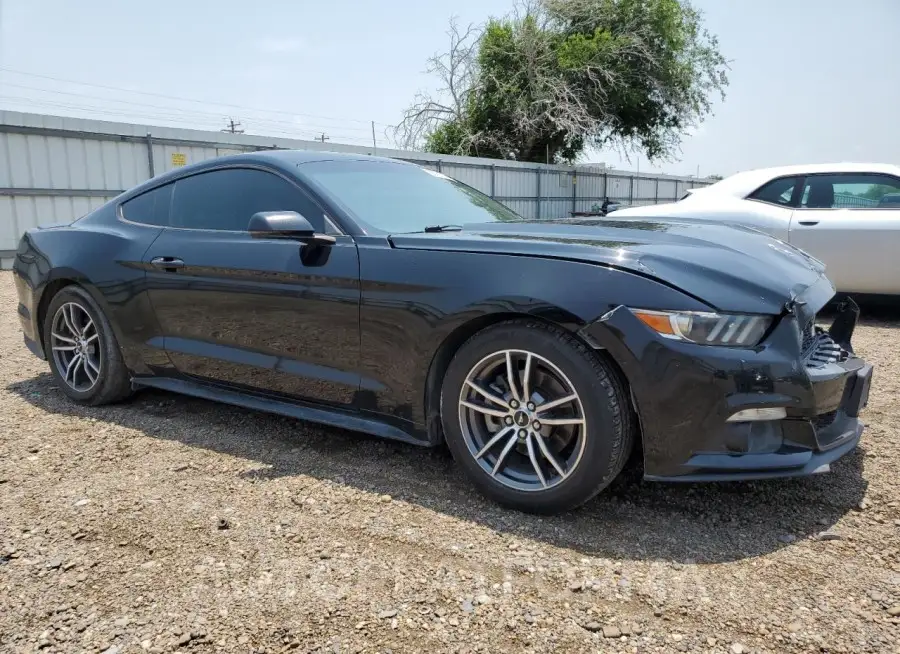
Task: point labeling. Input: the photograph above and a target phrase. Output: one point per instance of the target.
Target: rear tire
(540, 460)
(82, 350)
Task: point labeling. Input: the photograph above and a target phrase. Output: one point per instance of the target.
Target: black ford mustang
(382, 297)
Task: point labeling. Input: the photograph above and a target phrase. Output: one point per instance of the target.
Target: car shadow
(633, 520)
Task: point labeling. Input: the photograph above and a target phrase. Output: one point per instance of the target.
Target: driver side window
(851, 191)
(226, 199)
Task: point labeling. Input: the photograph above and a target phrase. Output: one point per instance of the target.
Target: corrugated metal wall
(55, 169)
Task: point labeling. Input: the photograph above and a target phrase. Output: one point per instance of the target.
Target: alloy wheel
(522, 420)
(75, 343)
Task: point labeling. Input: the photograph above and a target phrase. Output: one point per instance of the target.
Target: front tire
(550, 439)
(84, 355)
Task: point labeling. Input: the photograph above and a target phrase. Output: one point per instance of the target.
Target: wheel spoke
(92, 364)
(90, 323)
(72, 367)
(496, 439)
(69, 319)
(534, 461)
(511, 377)
(488, 395)
(497, 413)
(88, 366)
(549, 456)
(500, 459)
(555, 403)
(64, 339)
(526, 379)
(562, 421)
(63, 348)
(91, 339)
(80, 365)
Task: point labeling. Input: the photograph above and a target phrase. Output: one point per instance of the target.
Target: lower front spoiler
(748, 467)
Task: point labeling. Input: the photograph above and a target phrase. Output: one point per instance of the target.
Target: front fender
(416, 305)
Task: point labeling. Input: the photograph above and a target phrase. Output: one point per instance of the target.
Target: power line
(182, 99)
(216, 115)
(111, 111)
(180, 118)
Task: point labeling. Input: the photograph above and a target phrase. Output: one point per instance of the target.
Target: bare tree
(456, 69)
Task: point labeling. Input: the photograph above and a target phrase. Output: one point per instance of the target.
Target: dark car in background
(382, 297)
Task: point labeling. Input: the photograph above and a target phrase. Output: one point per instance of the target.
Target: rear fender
(105, 260)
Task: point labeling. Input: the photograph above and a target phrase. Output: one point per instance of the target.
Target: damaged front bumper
(685, 394)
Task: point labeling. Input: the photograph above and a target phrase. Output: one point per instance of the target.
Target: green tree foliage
(558, 76)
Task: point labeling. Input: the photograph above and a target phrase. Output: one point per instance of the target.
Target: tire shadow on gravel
(631, 520)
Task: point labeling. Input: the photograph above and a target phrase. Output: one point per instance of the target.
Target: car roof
(307, 156)
(285, 160)
(743, 183)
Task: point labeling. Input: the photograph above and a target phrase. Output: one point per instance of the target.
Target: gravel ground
(172, 524)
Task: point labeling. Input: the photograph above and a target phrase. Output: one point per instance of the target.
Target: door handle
(169, 264)
(808, 223)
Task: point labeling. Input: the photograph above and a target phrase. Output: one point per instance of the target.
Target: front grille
(819, 349)
(809, 337)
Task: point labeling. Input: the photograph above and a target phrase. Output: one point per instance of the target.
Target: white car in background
(846, 215)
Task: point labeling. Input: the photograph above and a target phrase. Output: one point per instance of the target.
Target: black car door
(271, 316)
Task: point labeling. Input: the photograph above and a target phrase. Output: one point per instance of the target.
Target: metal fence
(851, 201)
(54, 169)
(547, 192)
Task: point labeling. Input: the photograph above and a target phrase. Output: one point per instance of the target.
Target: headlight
(731, 329)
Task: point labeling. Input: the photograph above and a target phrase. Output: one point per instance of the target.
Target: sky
(811, 81)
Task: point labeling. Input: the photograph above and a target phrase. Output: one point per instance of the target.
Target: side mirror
(288, 225)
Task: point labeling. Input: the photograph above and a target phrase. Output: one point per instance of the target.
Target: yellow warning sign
(178, 159)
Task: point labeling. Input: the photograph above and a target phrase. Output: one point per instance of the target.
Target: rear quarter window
(150, 208)
(778, 192)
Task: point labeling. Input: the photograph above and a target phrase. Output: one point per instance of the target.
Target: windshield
(398, 197)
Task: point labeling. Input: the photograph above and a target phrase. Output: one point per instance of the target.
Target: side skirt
(305, 412)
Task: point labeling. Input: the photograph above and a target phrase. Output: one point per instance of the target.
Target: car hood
(730, 268)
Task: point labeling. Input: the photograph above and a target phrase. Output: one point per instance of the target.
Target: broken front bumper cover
(685, 393)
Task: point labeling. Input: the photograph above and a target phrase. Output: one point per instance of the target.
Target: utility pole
(374, 144)
(232, 127)
(323, 138)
